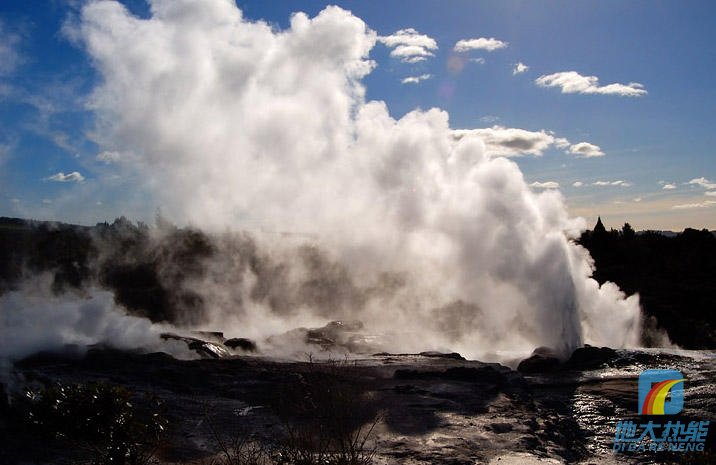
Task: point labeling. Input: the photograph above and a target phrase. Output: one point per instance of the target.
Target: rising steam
(398, 223)
(33, 319)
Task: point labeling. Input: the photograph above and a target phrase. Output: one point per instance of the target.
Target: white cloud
(585, 150)
(637, 199)
(710, 193)
(513, 142)
(74, 176)
(520, 68)
(410, 53)
(479, 61)
(668, 186)
(409, 46)
(611, 183)
(545, 185)
(482, 43)
(510, 142)
(703, 182)
(577, 184)
(416, 79)
(109, 156)
(561, 143)
(691, 206)
(572, 82)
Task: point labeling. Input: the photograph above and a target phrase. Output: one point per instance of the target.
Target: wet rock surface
(430, 409)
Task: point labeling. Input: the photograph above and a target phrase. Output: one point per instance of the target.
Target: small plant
(99, 420)
(236, 447)
(328, 418)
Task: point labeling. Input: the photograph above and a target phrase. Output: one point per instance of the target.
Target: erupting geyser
(234, 124)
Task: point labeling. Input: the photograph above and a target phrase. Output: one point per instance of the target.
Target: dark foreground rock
(205, 349)
(543, 359)
(419, 409)
(588, 357)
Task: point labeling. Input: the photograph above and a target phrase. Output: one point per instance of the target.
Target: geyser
(234, 124)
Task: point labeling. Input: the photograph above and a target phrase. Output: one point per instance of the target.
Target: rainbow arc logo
(661, 392)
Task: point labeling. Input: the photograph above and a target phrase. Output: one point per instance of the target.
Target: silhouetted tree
(628, 232)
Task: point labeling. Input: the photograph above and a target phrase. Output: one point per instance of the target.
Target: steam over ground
(401, 224)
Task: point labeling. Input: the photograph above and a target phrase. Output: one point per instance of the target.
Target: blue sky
(660, 144)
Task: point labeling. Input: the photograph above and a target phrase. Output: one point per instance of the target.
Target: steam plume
(235, 124)
(33, 319)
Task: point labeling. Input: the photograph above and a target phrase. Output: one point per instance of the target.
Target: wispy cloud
(668, 186)
(514, 142)
(577, 184)
(481, 43)
(545, 185)
(10, 57)
(416, 79)
(109, 157)
(571, 82)
(410, 46)
(520, 68)
(690, 206)
(585, 150)
(489, 119)
(620, 183)
(703, 182)
(510, 142)
(74, 176)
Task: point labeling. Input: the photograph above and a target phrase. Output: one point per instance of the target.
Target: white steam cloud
(33, 319)
(233, 123)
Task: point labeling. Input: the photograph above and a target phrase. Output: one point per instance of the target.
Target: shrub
(101, 421)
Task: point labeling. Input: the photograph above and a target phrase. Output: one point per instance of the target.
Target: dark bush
(105, 424)
(328, 418)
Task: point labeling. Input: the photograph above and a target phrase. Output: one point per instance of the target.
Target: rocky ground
(411, 409)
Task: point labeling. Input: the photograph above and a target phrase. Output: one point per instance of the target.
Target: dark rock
(501, 428)
(590, 357)
(4, 403)
(544, 351)
(204, 348)
(430, 354)
(450, 355)
(543, 359)
(333, 333)
(247, 345)
(484, 374)
(67, 354)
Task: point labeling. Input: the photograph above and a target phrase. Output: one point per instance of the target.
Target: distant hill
(664, 233)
